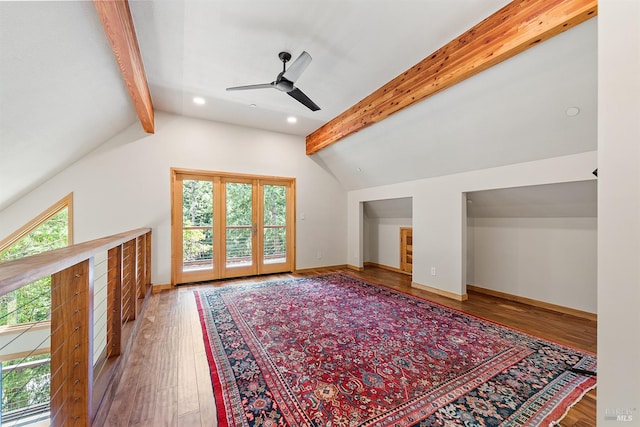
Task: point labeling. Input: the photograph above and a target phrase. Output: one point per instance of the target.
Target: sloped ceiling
(561, 200)
(61, 93)
(514, 112)
(389, 208)
(567, 199)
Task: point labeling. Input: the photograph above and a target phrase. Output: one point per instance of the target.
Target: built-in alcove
(383, 220)
(537, 242)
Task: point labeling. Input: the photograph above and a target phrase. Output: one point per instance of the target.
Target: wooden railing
(81, 383)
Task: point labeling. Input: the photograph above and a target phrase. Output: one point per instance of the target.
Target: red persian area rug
(334, 350)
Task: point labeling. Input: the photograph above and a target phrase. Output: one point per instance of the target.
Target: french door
(226, 225)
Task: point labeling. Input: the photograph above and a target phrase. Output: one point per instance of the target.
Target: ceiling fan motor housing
(283, 85)
(284, 56)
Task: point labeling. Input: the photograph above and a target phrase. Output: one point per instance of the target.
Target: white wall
(470, 261)
(439, 212)
(125, 184)
(547, 259)
(618, 211)
(382, 240)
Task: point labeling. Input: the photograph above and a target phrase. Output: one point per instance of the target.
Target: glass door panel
(197, 225)
(239, 228)
(274, 239)
(194, 228)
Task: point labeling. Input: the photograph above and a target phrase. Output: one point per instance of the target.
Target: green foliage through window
(275, 221)
(26, 381)
(197, 203)
(239, 222)
(32, 302)
(198, 222)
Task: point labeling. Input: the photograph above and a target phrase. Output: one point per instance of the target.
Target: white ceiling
(61, 93)
(202, 47)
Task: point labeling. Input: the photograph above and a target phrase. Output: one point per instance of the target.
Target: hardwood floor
(166, 381)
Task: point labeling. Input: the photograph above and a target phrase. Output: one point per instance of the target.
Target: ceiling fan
(286, 79)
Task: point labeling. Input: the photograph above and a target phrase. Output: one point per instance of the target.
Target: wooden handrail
(19, 272)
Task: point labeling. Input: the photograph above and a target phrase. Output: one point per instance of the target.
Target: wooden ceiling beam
(118, 26)
(516, 27)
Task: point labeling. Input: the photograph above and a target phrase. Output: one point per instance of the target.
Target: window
(26, 311)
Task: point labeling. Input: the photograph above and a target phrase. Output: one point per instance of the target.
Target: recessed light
(291, 119)
(573, 111)
(358, 170)
(198, 100)
(253, 105)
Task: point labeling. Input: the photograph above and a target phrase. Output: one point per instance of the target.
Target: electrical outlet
(433, 271)
(319, 255)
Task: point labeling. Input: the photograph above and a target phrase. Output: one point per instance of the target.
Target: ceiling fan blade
(249, 87)
(303, 99)
(297, 67)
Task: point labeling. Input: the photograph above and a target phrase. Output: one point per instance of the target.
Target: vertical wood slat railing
(80, 390)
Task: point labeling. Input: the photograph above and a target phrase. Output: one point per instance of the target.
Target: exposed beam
(118, 26)
(516, 27)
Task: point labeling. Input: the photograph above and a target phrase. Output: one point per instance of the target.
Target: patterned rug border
(553, 418)
(558, 419)
(221, 413)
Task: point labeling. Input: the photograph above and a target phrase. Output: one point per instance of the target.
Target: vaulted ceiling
(61, 94)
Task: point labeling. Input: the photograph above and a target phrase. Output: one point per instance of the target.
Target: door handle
(255, 229)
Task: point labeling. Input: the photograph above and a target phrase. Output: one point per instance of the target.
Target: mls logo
(619, 414)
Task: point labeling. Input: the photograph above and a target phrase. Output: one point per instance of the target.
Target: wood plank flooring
(166, 381)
